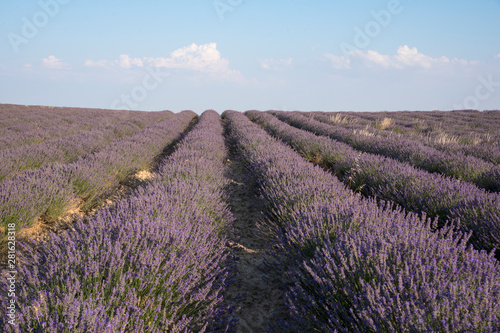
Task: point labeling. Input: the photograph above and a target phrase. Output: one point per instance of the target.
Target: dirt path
(262, 297)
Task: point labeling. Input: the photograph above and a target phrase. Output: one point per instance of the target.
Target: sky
(330, 55)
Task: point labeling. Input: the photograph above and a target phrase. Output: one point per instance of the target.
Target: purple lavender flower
(354, 265)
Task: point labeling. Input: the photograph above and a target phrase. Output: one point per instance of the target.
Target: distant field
(128, 221)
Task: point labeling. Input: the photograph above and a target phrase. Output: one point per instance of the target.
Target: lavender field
(275, 221)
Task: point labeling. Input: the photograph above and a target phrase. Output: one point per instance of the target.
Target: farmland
(128, 221)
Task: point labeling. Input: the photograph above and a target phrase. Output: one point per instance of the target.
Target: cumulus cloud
(126, 62)
(54, 63)
(404, 57)
(338, 62)
(201, 58)
(276, 64)
(411, 57)
(373, 57)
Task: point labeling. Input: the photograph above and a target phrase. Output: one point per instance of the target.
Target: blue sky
(250, 54)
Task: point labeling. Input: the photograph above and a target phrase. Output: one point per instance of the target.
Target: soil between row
(262, 297)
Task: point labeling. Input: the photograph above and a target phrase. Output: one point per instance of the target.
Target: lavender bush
(351, 265)
(448, 134)
(153, 262)
(31, 125)
(69, 148)
(466, 127)
(415, 190)
(455, 165)
(49, 191)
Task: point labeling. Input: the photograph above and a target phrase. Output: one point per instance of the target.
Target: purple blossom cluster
(456, 165)
(472, 208)
(27, 125)
(155, 261)
(49, 191)
(353, 265)
(69, 148)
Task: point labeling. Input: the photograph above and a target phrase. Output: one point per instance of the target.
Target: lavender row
(351, 265)
(434, 136)
(469, 126)
(154, 262)
(69, 148)
(476, 129)
(23, 124)
(416, 190)
(464, 143)
(49, 192)
(483, 174)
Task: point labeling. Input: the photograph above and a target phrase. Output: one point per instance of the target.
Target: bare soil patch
(43, 228)
(262, 296)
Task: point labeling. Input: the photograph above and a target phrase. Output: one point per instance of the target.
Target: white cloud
(498, 56)
(375, 58)
(411, 57)
(202, 58)
(338, 62)
(463, 62)
(54, 63)
(404, 57)
(126, 62)
(276, 64)
(97, 64)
